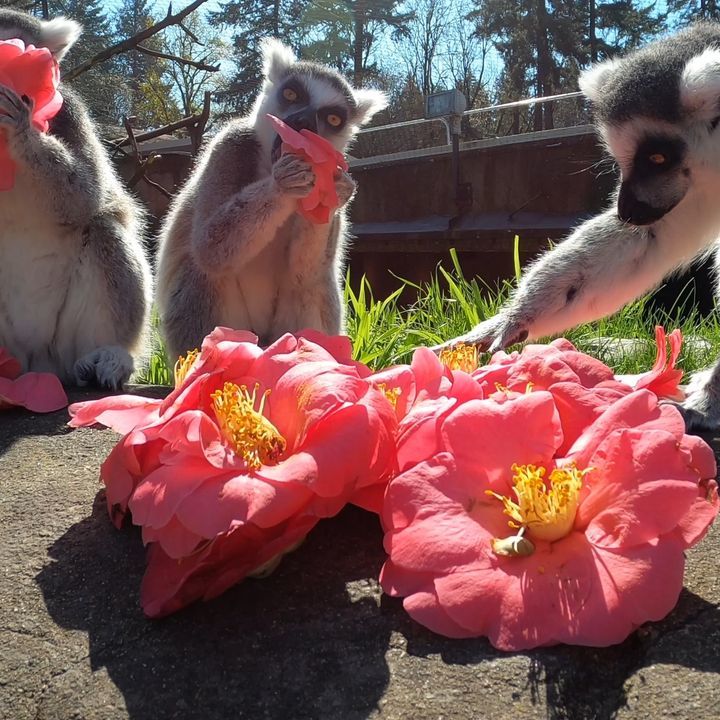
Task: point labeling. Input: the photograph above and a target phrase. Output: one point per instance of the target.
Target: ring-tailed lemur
(658, 112)
(75, 284)
(234, 250)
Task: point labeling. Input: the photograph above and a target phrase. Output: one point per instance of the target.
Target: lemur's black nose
(637, 212)
(305, 119)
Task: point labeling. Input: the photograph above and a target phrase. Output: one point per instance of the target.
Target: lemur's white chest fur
(281, 288)
(37, 256)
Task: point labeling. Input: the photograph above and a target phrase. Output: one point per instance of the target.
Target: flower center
(251, 434)
(183, 365)
(461, 357)
(392, 394)
(546, 510)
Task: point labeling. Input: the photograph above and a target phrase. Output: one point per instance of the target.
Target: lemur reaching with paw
(75, 284)
(234, 249)
(658, 112)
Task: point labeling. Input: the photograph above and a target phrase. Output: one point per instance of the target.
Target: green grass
(384, 332)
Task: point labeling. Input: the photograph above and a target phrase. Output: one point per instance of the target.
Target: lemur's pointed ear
(369, 101)
(59, 35)
(700, 84)
(276, 58)
(595, 78)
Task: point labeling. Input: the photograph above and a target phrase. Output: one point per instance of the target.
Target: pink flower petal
(639, 409)
(37, 392)
(641, 489)
(664, 379)
(218, 503)
(494, 436)
(122, 413)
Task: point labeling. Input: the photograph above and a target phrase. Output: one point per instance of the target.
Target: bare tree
(189, 72)
(421, 50)
(467, 58)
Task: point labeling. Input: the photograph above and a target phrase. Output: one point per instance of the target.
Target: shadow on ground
(312, 640)
(575, 683)
(21, 424)
(290, 646)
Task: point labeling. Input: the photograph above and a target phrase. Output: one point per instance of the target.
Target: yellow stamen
(546, 510)
(461, 357)
(505, 389)
(392, 394)
(251, 434)
(183, 365)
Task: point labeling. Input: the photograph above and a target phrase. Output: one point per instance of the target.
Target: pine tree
(142, 74)
(253, 20)
(545, 43)
(101, 87)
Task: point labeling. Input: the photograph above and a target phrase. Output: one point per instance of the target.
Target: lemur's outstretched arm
(61, 163)
(603, 265)
(235, 220)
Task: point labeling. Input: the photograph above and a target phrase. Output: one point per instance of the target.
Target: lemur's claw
(491, 335)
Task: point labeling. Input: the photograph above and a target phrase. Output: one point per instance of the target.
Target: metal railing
(493, 121)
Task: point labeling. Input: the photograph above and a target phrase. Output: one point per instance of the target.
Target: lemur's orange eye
(334, 120)
(290, 95)
(657, 158)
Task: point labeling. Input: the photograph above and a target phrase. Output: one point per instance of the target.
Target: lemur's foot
(294, 176)
(109, 366)
(493, 334)
(15, 112)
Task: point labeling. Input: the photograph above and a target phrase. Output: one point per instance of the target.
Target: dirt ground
(317, 639)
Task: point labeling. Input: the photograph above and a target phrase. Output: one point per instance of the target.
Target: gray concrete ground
(317, 639)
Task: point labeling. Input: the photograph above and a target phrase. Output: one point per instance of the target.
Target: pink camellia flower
(664, 378)
(426, 378)
(34, 73)
(325, 161)
(491, 532)
(243, 458)
(581, 385)
(38, 392)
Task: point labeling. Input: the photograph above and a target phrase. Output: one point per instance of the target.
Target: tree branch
(142, 164)
(199, 64)
(132, 42)
(166, 130)
(190, 34)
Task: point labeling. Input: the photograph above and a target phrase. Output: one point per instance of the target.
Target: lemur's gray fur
(658, 111)
(75, 284)
(234, 250)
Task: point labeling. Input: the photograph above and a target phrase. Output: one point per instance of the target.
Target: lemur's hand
(344, 187)
(493, 334)
(293, 176)
(15, 112)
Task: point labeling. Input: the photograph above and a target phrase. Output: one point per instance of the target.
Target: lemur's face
(656, 168)
(311, 96)
(658, 112)
(312, 103)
